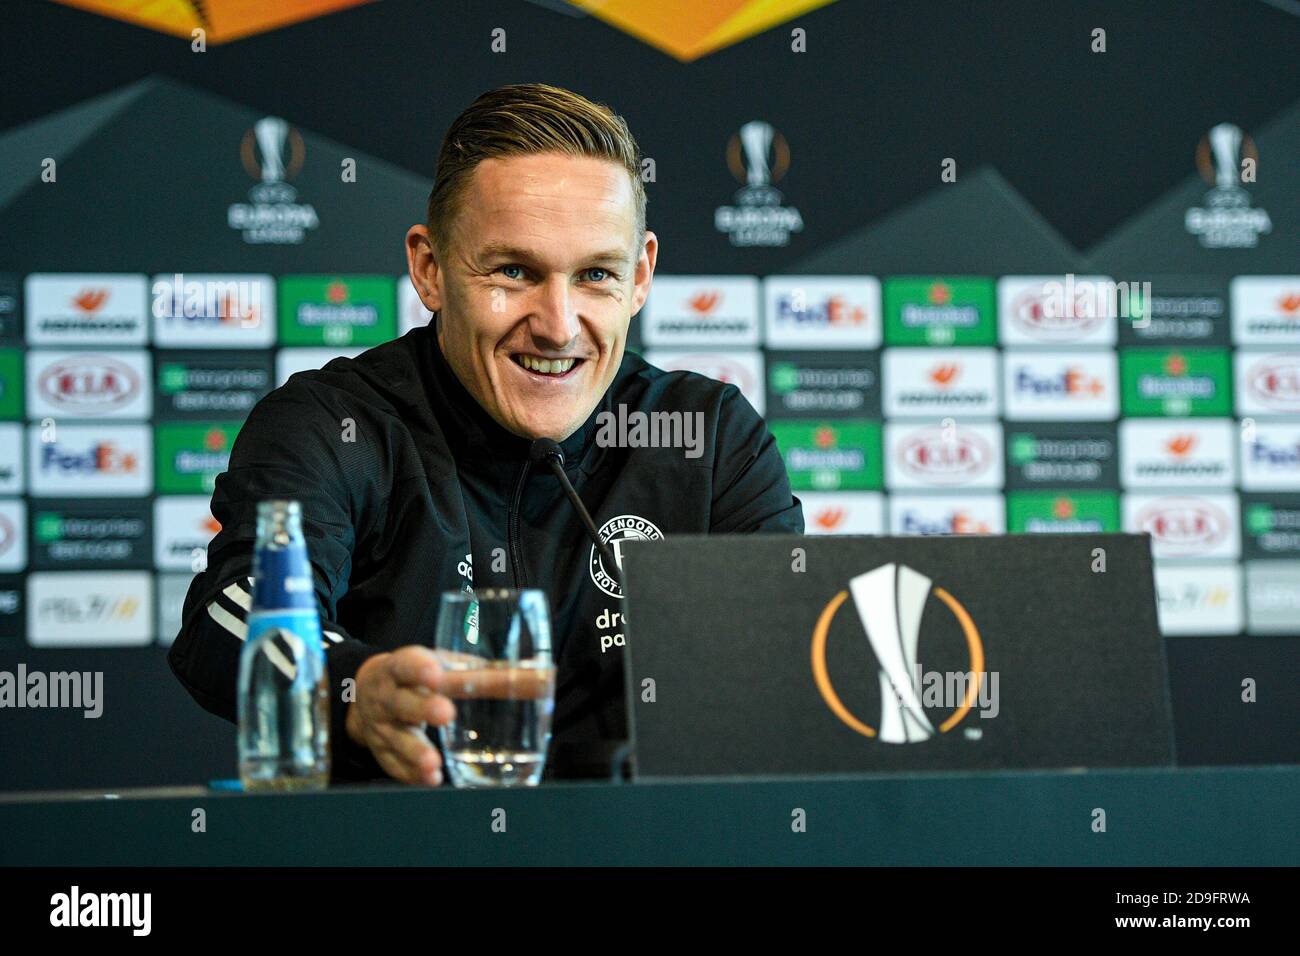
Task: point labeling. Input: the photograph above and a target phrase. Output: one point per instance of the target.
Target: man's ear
(645, 270)
(422, 264)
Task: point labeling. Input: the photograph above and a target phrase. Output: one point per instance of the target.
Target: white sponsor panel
(12, 473)
(691, 311)
(951, 455)
(934, 383)
(288, 361)
(1178, 453)
(89, 608)
(1270, 457)
(822, 312)
(1265, 310)
(171, 590)
(411, 313)
(844, 512)
(85, 461)
(13, 535)
(1267, 383)
(1273, 597)
(947, 514)
(1205, 526)
(742, 369)
(1060, 386)
(182, 527)
(72, 385)
(1202, 599)
(86, 309)
(212, 310)
(1058, 310)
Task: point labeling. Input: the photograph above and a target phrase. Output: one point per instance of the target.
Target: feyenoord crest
(614, 533)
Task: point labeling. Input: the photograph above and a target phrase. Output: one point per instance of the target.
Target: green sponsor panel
(190, 455)
(831, 455)
(1176, 382)
(1062, 512)
(937, 310)
(353, 311)
(12, 384)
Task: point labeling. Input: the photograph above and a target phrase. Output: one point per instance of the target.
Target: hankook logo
(891, 602)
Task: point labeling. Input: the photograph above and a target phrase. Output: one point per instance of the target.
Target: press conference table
(1154, 817)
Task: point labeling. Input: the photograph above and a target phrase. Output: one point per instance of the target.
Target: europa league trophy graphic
(890, 601)
(1225, 146)
(271, 163)
(756, 142)
(271, 133)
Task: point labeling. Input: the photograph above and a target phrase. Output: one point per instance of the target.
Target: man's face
(537, 287)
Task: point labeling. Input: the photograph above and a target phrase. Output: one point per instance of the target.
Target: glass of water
(495, 649)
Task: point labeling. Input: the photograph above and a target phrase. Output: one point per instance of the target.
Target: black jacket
(409, 488)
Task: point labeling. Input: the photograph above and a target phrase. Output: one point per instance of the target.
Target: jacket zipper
(512, 530)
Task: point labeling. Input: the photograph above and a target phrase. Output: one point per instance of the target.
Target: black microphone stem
(606, 556)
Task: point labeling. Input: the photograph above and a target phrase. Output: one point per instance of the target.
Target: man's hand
(396, 700)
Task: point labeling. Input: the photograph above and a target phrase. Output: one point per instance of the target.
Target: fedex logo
(86, 460)
(953, 522)
(1070, 381)
(1275, 456)
(1064, 386)
(102, 457)
(947, 514)
(1270, 457)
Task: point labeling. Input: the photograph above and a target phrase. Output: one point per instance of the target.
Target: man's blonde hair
(522, 119)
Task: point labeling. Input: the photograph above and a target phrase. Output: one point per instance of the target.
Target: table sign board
(791, 655)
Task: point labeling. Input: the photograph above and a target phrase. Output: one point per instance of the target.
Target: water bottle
(283, 684)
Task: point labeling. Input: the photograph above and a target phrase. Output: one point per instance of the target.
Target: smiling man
(412, 460)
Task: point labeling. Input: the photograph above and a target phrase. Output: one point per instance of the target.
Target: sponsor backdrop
(935, 352)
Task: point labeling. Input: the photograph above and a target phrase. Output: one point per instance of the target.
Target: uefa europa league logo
(1226, 158)
(890, 602)
(758, 156)
(272, 153)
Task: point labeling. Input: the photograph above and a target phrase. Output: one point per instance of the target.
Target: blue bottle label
(282, 579)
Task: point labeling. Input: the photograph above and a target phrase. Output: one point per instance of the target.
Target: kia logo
(1184, 526)
(942, 459)
(89, 384)
(1275, 381)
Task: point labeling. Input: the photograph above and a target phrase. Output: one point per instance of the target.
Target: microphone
(548, 450)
